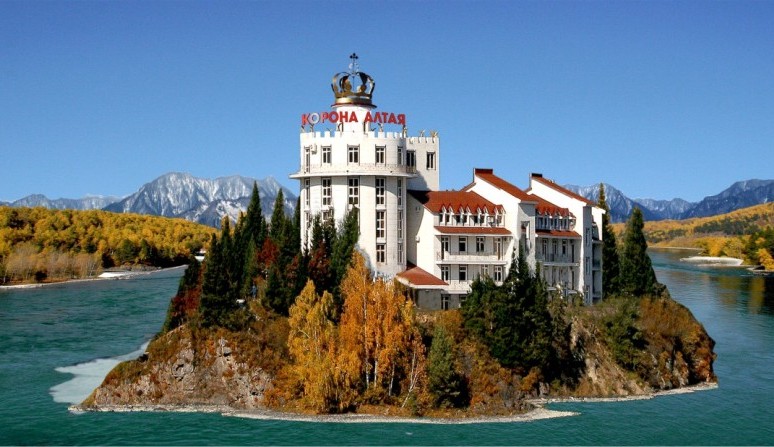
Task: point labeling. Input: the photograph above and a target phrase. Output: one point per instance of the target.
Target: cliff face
(638, 346)
(189, 367)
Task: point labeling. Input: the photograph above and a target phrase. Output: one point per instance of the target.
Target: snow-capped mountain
(620, 205)
(201, 200)
(739, 195)
(85, 203)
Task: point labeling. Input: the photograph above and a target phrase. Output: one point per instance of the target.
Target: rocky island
(337, 340)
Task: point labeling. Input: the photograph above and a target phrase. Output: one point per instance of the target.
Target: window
(306, 192)
(400, 192)
(353, 192)
(484, 271)
(444, 301)
(380, 227)
(400, 225)
(444, 272)
(400, 252)
(588, 265)
(326, 192)
(380, 190)
(326, 155)
(444, 245)
(431, 160)
(307, 157)
(463, 273)
(353, 154)
(463, 244)
(479, 244)
(411, 159)
(400, 155)
(380, 150)
(463, 298)
(380, 256)
(327, 215)
(498, 273)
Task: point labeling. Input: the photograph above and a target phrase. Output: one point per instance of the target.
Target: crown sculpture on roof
(353, 87)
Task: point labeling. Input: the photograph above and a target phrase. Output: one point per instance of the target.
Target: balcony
(457, 285)
(355, 169)
(555, 258)
(484, 257)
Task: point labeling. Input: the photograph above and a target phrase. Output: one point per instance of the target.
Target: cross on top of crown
(353, 67)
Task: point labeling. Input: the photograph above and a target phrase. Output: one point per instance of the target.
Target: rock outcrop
(187, 367)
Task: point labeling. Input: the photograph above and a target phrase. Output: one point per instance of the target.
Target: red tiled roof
(488, 176)
(436, 201)
(545, 207)
(557, 233)
(418, 277)
(473, 230)
(565, 191)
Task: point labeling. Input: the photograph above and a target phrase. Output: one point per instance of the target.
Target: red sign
(351, 117)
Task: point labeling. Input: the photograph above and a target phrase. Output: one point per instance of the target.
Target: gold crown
(353, 87)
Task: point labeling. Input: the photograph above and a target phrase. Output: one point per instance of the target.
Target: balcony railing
(456, 284)
(377, 168)
(555, 257)
(469, 257)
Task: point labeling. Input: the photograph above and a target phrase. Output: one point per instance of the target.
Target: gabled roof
(415, 276)
(437, 201)
(488, 176)
(551, 184)
(473, 230)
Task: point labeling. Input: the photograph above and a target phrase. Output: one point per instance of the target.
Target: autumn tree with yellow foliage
(374, 355)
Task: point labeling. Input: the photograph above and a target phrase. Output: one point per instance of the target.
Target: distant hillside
(38, 244)
(739, 195)
(724, 235)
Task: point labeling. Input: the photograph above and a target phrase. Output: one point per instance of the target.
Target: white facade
(437, 242)
(359, 165)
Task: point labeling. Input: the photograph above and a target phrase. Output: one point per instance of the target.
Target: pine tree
(343, 247)
(444, 382)
(254, 222)
(278, 219)
(610, 262)
(637, 276)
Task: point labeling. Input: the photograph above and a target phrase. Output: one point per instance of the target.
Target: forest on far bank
(746, 234)
(40, 245)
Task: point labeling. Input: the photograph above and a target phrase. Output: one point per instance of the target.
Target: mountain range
(739, 195)
(207, 201)
(176, 194)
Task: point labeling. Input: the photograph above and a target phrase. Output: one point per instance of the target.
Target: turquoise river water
(57, 342)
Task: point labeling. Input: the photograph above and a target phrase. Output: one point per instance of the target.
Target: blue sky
(660, 99)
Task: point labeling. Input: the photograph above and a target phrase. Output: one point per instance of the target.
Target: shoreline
(539, 411)
(126, 275)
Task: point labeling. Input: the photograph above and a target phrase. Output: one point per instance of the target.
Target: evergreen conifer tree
(278, 219)
(444, 382)
(610, 262)
(637, 276)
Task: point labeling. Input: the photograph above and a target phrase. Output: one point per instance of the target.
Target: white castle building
(436, 242)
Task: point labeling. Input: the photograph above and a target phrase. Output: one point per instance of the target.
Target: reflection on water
(736, 288)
